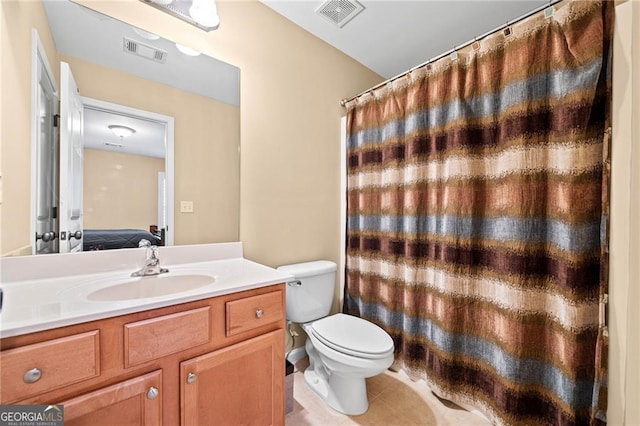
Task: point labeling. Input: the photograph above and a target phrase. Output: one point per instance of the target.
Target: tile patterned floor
(393, 400)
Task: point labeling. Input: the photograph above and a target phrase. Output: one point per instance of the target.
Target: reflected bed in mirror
(139, 181)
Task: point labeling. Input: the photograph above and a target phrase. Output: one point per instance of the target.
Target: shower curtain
(477, 213)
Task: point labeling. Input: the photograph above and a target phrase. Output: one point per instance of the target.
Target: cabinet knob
(153, 393)
(191, 377)
(259, 313)
(32, 376)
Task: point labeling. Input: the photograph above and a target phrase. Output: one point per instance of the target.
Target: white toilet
(343, 350)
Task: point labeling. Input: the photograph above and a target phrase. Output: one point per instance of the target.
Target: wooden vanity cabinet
(214, 361)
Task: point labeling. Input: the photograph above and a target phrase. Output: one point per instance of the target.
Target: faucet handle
(144, 243)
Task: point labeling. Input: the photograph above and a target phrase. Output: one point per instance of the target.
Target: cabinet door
(132, 402)
(242, 384)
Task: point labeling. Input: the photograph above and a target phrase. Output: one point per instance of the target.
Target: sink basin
(152, 286)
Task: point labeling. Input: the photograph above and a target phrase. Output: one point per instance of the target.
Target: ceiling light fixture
(145, 34)
(121, 131)
(187, 50)
(201, 13)
(205, 13)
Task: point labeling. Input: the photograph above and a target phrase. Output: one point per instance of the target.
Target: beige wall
(16, 21)
(111, 201)
(624, 288)
(207, 139)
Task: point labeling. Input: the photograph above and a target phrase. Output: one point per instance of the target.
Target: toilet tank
(310, 294)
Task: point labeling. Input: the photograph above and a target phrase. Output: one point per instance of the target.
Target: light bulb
(205, 13)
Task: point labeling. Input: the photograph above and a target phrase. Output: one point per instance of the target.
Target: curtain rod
(344, 102)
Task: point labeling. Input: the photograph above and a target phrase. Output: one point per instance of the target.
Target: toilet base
(347, 395)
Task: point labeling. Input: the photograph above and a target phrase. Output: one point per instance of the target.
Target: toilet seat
(352, 336)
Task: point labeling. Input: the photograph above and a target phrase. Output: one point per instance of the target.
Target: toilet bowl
(338, 368)
(343, 350)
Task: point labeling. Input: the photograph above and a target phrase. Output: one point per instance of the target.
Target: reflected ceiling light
(187, 50)
(205, 13)
(162, 2)
(145, 34)
(121, 131)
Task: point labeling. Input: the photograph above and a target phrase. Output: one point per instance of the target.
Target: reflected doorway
(128, 174)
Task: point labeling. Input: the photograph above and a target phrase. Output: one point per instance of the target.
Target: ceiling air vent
(144, 50)
(340, 11)
(114, 145)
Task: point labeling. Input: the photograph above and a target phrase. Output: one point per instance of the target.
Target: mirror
(116, 64)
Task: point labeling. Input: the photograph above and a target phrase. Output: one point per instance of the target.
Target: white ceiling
(148, 139)
(393, 36)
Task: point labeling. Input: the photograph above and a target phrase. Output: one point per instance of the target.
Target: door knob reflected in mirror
(77, 235)
(46, 236)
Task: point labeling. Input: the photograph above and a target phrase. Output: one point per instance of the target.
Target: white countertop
(39, 294)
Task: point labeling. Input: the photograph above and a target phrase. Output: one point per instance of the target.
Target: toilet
(343, 350)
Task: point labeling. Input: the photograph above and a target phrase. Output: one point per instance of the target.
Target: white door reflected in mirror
(71, 154)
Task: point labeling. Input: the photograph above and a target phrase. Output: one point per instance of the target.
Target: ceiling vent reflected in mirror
(144, 50)
(200, 13)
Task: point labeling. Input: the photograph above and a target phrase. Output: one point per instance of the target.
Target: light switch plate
(186, 206)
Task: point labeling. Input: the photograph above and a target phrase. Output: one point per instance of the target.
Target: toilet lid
(353, 336)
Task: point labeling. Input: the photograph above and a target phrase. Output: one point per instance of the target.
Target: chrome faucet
(151, 263)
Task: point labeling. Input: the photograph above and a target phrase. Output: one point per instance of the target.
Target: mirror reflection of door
(45, 177)
(71, 154)
(127, 176)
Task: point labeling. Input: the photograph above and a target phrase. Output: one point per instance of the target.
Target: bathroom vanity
(213, 354)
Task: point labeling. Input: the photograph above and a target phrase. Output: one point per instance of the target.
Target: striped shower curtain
(476, 218)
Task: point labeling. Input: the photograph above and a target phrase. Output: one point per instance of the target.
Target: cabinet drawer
(54, 364)
(253, 312)
(156, 337)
